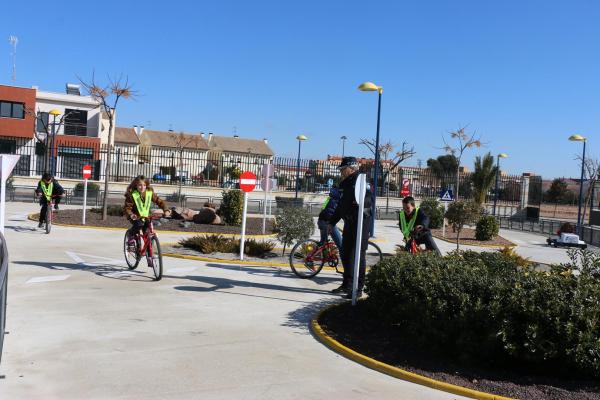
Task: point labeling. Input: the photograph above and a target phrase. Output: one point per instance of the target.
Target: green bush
(232, 206)
(114, 210)
(487, 228)
(293, 224)
(91, 186)
(461, 213)
(435, 211)
(483, 306)
(208, 244)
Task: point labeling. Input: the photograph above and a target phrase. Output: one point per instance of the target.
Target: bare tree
(181, 141)
(385, 152)
(463, 142)
(108, 97)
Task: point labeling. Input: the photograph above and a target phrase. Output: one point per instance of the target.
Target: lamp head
(301, 137)
(502, 155)
(577, 138)
(343, 138)
(369, 87)
(54, 112)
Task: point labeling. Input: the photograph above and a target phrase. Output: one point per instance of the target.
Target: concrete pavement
(82, 326)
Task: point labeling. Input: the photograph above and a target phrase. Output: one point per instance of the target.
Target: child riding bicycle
(47, 188)
(414, 225)
(138, 199)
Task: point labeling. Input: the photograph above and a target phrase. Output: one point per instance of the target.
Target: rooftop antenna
(13, 40)
(235, 130)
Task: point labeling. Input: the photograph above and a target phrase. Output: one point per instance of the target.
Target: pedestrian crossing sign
(447, 195)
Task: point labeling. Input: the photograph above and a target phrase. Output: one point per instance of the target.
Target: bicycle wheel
(48, 219)
(306, 259)
(154, 258)
(131, 252)
(374, 254)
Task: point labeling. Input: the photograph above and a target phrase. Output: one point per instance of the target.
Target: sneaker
(40, 224)
(341, 289)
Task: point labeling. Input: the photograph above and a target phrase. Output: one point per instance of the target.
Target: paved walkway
(82, 326)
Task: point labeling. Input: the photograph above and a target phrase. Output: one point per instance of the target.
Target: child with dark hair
(47, 188)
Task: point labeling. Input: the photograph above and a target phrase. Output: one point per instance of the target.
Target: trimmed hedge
(483, 306)
(435, 211)
(232, 206)
(487, 228)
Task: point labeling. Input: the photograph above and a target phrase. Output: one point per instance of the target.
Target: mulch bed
(467, 237)
(357, 329)
(73, 217)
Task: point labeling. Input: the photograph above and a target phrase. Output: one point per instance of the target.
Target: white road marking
(40, 279)
(101, 260)
(119, 274)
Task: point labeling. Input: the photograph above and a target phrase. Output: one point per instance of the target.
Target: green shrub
(232, 206)
(509, 252)
(91, 187)
(461, 213)
(208, 244)
(487, 228)
(435, 211)
(114, 210)
(483, 306)
(293, 224)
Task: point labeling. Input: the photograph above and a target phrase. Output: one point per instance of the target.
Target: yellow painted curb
(110, 228)
(391, 370)
(489, 246)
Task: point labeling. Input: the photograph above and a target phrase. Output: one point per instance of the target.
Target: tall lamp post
(55, 113)
(371, 87)
(300, 138)
(344, 138)
(501, 155)
(579, 138)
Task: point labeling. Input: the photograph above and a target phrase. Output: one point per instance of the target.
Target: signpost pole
(243, 239)
(84, 198)
(360, 192)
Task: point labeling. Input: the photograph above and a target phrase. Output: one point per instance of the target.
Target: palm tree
(483, 177)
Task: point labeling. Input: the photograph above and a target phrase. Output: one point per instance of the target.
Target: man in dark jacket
(47, 188)
(324, 217)
(414, 225)
(347, 210)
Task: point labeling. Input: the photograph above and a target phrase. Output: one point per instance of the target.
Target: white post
(360, 192)
(243, 239)
(84, 198)
(2, 204)
(265, 206)
(444, 219)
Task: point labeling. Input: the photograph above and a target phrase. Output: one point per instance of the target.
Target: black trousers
(44, 204)
(427, 240)
(136, 226)
(349, 250)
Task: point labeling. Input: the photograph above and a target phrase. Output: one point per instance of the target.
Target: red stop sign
(247, 181)
(405, 191)
(87, 172)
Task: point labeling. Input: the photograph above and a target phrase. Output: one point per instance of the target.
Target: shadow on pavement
(274, 271)
(301, 317)
(100, 269)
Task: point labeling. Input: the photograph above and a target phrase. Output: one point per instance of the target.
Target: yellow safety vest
(143, 208)
(47, 189)
(407, 228)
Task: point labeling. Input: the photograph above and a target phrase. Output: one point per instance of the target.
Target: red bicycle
(145, 244)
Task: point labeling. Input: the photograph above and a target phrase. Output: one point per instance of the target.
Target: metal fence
(201, 168)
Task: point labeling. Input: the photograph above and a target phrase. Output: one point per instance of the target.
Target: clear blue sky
(523, 74)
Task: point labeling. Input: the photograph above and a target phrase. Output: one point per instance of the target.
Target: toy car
(566, 240)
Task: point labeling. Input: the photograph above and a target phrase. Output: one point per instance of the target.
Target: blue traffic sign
(447, 195)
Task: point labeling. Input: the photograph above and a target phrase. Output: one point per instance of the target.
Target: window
(75, 122)
(42, 121)
(12, 110)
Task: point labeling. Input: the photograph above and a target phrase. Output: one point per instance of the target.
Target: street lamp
(371, 87)
(344, 138)
(55, 113)
(501, 155)
(300, 139)
(579, 138)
